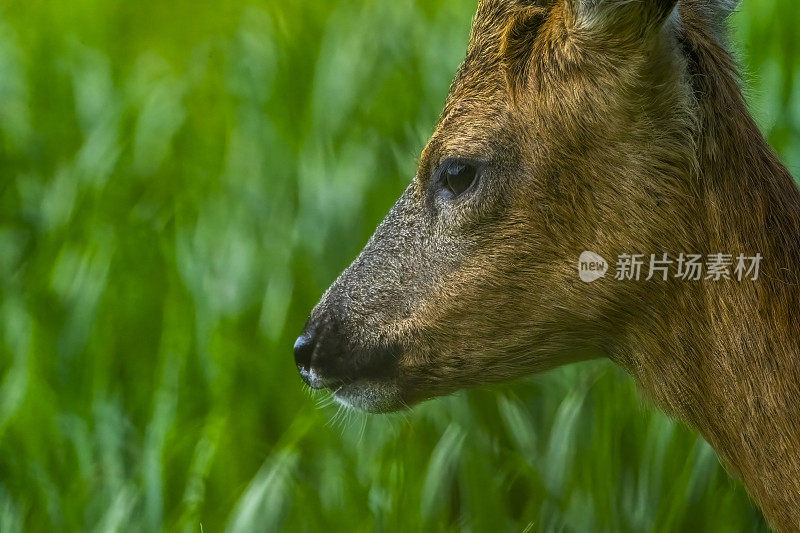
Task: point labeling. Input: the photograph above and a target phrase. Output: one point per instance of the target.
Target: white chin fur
(370, 396)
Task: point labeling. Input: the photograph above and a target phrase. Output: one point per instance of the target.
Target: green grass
(179, 182)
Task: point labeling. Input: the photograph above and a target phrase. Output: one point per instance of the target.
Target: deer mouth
(370, 395)
(370, 392)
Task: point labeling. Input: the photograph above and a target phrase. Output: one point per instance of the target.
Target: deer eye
(458, 175)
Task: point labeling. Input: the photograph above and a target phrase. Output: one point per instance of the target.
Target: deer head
(568, 127)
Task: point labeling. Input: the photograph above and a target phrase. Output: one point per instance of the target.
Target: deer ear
(517, 46)
(718, 13)
(623, 18)
(725, 7)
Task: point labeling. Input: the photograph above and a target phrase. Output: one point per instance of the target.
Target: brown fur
(617, 127)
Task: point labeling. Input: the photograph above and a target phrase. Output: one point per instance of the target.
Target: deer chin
(369, 395)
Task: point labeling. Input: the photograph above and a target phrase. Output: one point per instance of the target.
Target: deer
(614, 126)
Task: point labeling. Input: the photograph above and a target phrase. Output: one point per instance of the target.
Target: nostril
(303, 350)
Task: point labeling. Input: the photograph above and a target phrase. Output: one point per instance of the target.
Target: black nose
(318, 354)
(303, 350)
(327, 357)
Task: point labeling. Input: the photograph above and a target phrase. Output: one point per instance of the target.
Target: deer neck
(725, 356)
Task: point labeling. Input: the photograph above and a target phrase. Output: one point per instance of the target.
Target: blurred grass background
(179, 182)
